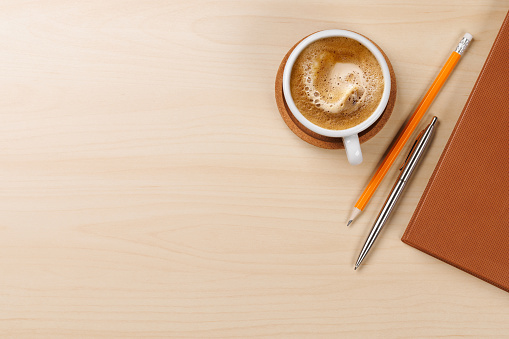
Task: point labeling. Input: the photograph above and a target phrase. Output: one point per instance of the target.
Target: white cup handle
(353, 149)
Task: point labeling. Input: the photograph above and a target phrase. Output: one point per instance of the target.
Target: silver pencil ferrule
(462, 46)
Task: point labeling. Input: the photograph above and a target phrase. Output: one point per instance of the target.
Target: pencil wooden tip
(353, 215)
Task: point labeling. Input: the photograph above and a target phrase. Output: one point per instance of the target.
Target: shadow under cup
(333, 139)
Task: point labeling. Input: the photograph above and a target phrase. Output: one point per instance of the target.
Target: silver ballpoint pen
(408, 167)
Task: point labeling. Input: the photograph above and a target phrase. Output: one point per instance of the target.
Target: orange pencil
(410, 127)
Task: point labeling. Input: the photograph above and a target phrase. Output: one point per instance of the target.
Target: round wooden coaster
(320, 140)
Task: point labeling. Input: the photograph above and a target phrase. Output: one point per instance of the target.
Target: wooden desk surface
(151, 189)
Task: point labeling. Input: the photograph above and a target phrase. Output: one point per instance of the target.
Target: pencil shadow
(414, 134)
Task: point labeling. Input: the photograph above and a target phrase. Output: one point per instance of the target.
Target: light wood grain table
(151, 189)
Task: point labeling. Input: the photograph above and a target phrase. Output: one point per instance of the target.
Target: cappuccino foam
(336, 83)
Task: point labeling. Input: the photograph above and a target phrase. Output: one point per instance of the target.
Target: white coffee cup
(350, 135)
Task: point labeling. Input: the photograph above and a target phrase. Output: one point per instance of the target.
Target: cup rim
(328, 34)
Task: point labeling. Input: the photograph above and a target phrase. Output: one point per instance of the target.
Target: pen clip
(412, 149)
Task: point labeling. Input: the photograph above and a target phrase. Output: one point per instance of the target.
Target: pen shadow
(371, 214)
(374, 214)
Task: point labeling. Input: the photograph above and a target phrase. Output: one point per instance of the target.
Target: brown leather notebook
(463, 215)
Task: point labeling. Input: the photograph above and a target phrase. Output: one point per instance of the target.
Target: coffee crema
(336, 83)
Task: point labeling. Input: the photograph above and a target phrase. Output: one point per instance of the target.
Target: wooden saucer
(320, 140)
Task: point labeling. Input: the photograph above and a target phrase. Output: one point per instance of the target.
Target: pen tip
(349, 222)
(355, 268)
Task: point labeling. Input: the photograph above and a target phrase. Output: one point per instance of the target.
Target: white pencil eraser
(468, 36)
